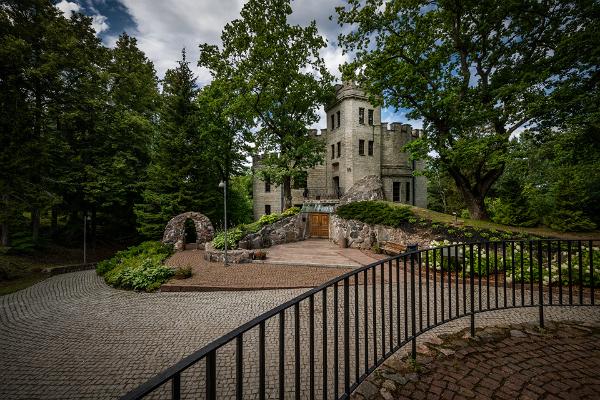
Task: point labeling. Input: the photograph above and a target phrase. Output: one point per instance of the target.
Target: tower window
(361, 116)
(407, 192)
(338, 119)
(267, 185)
(396, 192)
(370, 147)
(267, 209)
(339, 149)
(370, 117)
(332, 151)
(332, 122)
(361, 147)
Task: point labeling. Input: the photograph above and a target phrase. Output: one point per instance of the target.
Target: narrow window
(338, 119)
(361, 147)
(396, 192)
(370, 147)
(361, 116)
(267, 209)
(332, 122)
(332, 151)
(267, 185)
(339, 149)
(370, 117)
(407, 192)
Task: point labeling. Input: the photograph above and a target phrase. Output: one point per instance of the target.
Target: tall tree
(277, 72)
(475, 71)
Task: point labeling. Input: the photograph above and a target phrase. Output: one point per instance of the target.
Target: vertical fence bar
(487, 272)
(550, 272)
(531, 270)
(591, 245)
(427, 286)
(420, 293)
(405, 300)
(412, 306)
(311, 347)
(261, 361)
(472, 276)
(504, 272)
(479, 248)
(570, 272)
(324, 345)
(366, 307)
(335, 342)
(211, 375)
(296, 351)
(176, 386)
(457, 303)
(559, 263)
(398, 303)
(450, 282)
(356, 331)
(374, 315)
(442, 308)
(464, 282)
(346, 338)
(435, 317)
(496, 273)
(512, 263)
(382, 279)
(580, 251)
(540, 284)
(239, 367)
(391, 305)
(522, 249)
(282, 354)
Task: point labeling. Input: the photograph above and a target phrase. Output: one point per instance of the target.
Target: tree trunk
(5, 235)
(287, 193)
(474, 195)
(35, 224)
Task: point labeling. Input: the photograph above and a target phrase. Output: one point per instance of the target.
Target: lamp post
(86, 218)
(223, 185)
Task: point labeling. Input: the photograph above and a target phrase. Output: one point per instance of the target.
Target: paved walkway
(511, 362)
(73, 337)
(317, 252)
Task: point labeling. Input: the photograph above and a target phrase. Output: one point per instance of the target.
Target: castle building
(358, 144)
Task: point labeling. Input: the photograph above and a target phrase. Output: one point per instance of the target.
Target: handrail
(411, 261)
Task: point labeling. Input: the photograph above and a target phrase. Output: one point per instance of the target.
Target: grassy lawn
(537, 231)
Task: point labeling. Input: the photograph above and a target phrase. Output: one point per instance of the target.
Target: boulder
(368, 188)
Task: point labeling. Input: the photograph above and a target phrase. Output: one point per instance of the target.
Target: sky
(164, 27)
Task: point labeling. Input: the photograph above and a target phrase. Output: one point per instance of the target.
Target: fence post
(412, 301)
(540, 285)
(472, 276)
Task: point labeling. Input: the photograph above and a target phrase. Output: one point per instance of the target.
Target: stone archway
(175, 229)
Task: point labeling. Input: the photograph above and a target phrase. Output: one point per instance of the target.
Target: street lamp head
(221, 184)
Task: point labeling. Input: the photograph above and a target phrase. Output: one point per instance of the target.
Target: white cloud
(68, 7)
(99, 23)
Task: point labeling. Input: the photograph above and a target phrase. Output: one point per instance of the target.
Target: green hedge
(375, 212)
(139, 267)
(235, 234)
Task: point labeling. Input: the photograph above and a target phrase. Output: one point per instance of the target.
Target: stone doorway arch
(175, 230)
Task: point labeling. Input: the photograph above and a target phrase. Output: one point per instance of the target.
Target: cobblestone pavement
(516, 361)
(73, 337)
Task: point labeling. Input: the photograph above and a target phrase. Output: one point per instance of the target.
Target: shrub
(375, 212)
(269, 219)
(138, 267)
(465, 214)
(233, 237)
(290, 211)
(570, 221)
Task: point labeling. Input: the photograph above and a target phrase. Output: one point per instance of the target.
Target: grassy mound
(375, 213)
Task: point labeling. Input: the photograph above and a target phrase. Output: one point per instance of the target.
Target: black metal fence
(326, 341)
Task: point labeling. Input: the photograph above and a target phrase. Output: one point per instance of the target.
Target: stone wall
(363, 236)
(286, 230)
(239, 256)
(175, 230)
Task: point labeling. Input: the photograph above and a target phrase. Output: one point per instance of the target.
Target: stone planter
(238, 256)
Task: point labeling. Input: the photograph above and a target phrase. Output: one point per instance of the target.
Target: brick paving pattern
(73, 337)
(509, 362)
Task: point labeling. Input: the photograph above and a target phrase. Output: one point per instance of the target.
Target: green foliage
(139, 267)
(269, 219)
(290, 211)
(280, 81)
(464, 214)
(375, 212)
(570, 221)
(473, 94)
(233, 237)
(183, 272)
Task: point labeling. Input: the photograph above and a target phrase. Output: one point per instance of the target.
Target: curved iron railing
(381, 307)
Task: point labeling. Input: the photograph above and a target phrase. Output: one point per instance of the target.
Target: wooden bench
(393, 249)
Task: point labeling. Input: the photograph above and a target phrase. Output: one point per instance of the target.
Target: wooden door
(319, 225)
